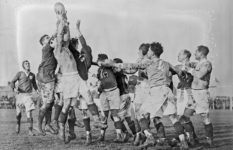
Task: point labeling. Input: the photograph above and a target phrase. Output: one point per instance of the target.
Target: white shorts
(184, 100)
(24, 101)
(73, 86)
(140, 94)
(110, 100)
(202, 100)
(159, 102)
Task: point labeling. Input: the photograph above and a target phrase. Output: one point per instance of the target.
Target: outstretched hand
(78, 24)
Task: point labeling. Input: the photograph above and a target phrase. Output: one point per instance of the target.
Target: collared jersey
(26, 82)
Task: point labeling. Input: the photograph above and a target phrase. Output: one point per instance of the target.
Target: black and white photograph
(116, 75)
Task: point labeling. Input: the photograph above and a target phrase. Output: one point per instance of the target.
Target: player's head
(74, 42)
(201, 52)
(102, 58)
(184, 55)
(26, 65)
(52, 42)
(44, 39)
(117, 60)
(143, 49)
(156, 49)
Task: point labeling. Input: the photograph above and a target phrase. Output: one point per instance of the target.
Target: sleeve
(82, 41)
(34, 82)
(16, 78)
(86, 51)
(73, 49)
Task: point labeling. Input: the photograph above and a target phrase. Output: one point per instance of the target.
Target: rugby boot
(209, 142)
(30, 128)
(184, 145)
(150, 141)
(88, 139)
(209, 134)
(55, 126)
(125, 137)
(102, 135)
(71, 135)
(62, 132)
(118, 138)
(48, 127)
(137, 139)
(40, 121)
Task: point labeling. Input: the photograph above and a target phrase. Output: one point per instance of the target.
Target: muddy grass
(222, 122)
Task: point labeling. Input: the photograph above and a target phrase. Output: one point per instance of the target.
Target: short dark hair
(42, 38)
(118, 60)
(74, 41)
(203, 49)
(144, 47)
(187, 53)
(157, 48)
(24, 62)
(102, 57)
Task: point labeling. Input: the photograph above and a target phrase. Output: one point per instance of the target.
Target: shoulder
(179, 66)
(207, 65)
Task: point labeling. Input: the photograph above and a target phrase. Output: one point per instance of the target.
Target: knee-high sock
(137, 125)
(57, 112)
(131, 125)
(144, 123)
(209, 130)
(86, 122)
(93, 109)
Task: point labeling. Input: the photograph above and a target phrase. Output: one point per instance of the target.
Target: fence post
(231, 99)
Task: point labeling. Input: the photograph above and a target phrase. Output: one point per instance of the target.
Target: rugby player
(26, 82)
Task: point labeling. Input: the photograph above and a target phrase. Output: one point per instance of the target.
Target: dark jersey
(107, 78)
(121, 83)
(46, 70)
(185, 78)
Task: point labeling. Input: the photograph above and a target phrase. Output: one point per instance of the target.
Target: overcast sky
(118, 28)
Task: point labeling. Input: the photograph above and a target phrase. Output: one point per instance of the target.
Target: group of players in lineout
(63, 82)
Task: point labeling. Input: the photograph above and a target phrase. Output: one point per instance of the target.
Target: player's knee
(173, 118)
(84, 113)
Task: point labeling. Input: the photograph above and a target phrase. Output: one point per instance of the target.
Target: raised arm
(60, 34)
(80, 36)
